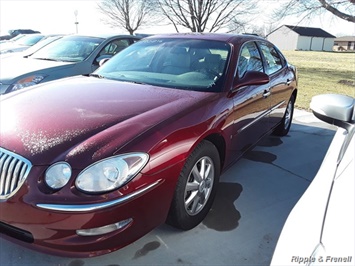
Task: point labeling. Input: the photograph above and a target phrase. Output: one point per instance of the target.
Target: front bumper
(60, 229)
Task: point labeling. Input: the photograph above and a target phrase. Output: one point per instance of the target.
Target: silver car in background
(68, 56)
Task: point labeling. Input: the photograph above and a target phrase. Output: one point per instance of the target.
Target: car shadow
(223, 215)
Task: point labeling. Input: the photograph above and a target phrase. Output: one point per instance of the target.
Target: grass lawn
(322, 72)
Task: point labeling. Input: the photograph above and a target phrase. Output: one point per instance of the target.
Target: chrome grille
(13, 172)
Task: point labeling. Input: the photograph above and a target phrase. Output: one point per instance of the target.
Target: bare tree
(127, 14)
(206, 15)
(344, 9)
(261, 30)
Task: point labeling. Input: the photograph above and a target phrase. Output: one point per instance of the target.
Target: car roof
(226, 37)
(23, 31)
(105, 35)
(207, 36)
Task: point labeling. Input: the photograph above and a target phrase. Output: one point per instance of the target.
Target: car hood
(12, 68)
(14, 47)
(74, 117)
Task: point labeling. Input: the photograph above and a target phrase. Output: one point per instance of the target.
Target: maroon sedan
(90, 164)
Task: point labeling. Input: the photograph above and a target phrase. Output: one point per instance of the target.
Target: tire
(194, 194)
(284, 127)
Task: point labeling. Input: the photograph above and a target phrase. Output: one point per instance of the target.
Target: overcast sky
(58, 17)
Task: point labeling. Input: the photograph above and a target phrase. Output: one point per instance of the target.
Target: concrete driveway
(242, 228)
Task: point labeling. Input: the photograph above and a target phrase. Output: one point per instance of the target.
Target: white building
(346, 43)
(301, 38)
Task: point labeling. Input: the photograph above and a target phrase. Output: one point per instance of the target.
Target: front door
(251, 103)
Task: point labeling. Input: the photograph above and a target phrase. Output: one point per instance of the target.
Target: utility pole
(76, 20)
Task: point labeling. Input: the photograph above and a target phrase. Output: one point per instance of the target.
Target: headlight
(28, 81)
(111, 173)
(58, 175)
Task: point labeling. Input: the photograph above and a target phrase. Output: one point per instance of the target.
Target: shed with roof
(345, 43)
(289, 37)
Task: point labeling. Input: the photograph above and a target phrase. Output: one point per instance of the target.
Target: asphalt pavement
(253, 201)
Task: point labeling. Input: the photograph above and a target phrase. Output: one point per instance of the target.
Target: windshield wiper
(95, 75)
(47, 59)
(136, 82)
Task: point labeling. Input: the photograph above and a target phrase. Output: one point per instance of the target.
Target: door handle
(288, 82)
(266, 94)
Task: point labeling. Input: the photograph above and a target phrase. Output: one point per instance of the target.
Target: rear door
(281, 79)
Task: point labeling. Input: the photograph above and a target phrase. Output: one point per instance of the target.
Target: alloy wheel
(199, 185)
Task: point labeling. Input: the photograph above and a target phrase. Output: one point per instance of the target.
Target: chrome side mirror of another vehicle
(338, 110)
(335, 109)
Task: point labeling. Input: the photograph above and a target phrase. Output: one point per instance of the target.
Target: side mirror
(103, 61)
(102, 57)
(334, 109)
(252, 78)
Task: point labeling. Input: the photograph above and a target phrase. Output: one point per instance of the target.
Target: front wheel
(284, 127)
(196, 187)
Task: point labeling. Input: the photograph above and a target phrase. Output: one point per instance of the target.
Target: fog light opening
(104, 229)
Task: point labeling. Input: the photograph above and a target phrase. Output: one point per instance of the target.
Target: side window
(114, 47)
(249, 59)
(274, 61)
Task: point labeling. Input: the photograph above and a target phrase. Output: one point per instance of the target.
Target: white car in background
(320, 228)
(34, 48)
(20, 44)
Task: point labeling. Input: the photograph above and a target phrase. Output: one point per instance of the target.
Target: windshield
(29, 40)
(45, 41)
(175, 63)
(68, 49)
(14, 39)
